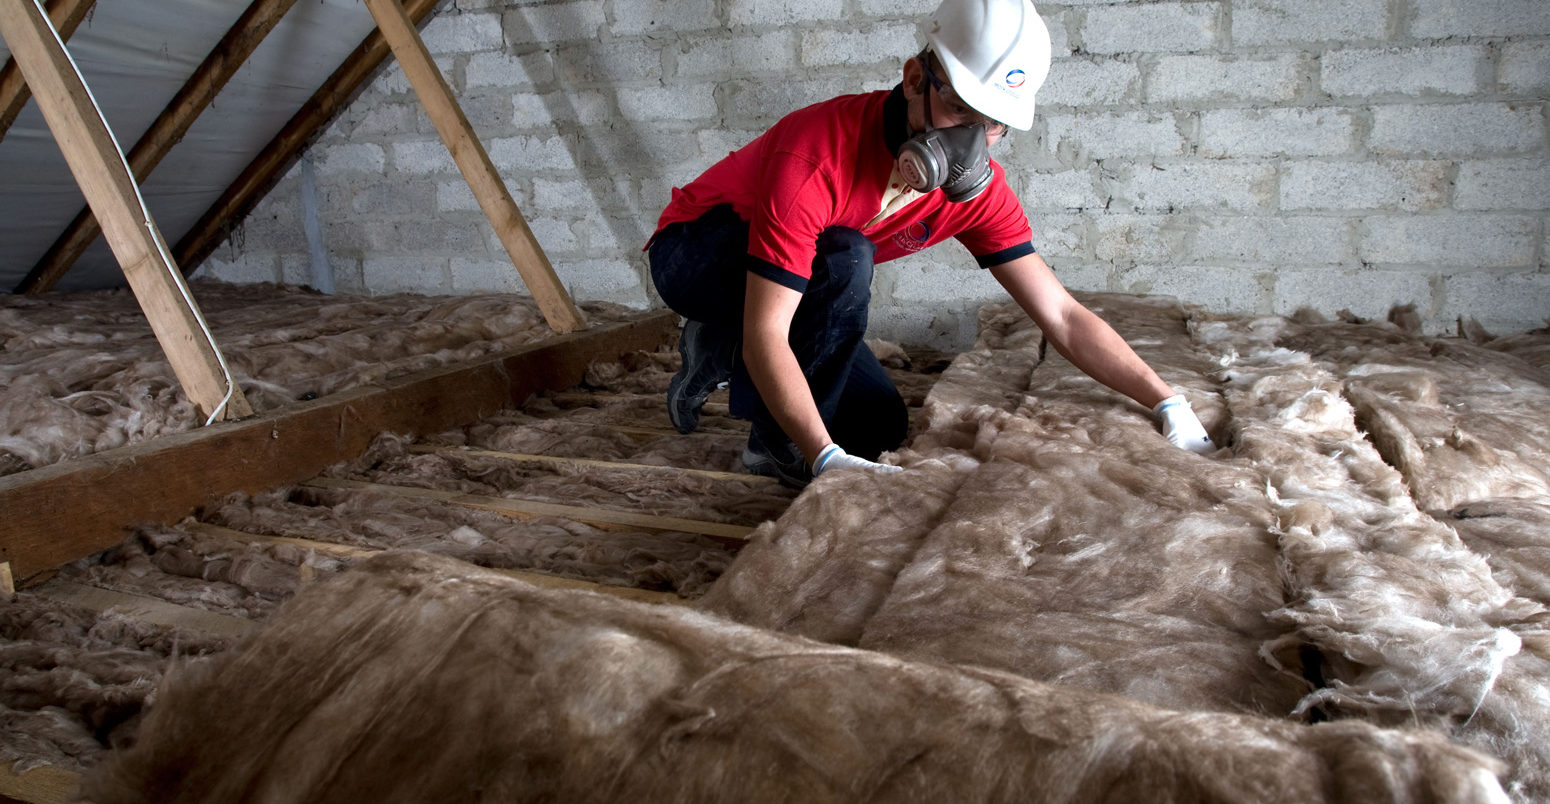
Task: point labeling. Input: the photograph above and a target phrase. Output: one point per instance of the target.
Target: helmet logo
(1016, 78)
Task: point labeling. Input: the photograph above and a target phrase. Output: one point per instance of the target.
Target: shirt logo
(1016, 78)
(913, 238)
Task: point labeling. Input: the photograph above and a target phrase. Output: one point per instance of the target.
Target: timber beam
(66, 15)
(554, 461)
(60, 513)
(197, 94)
(42, 785)
(474, 162)
(266, 169)
(110, 189)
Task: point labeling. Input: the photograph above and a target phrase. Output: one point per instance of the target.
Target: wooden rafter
(219, 66)
(57, 514)
(111, 192)
(66, 15)
(474, 162)
(266, 169)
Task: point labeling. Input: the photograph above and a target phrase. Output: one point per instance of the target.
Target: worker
(769, 253)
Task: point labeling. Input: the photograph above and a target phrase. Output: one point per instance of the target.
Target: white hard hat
(996, 54)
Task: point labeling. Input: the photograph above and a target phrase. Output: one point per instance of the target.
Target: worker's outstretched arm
(1093, 346)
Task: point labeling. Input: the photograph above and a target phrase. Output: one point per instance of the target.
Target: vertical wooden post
(555, 303)
(110, 191)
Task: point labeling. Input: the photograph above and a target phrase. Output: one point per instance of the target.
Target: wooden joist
(474, 162)
(112, 194)
(66, 15)
(57, 514)
(168, 129)
(152, 610)
(534, 578)
(603, 518)
(641, 431)
(45, 785)
(603, 398)
(266, 169)
(555, 461)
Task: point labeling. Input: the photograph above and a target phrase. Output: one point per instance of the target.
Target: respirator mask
(953, 158)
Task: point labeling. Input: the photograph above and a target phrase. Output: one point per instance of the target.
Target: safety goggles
(961, 113)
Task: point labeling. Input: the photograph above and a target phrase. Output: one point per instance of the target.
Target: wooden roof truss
(110, 180)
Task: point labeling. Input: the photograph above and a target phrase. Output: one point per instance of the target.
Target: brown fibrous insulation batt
(827, 564)
(1294, 551)
(1071, 544)
(1412, 625)
(1461, 423)
(82, 372)
(1531, 347)
(1514, 538)
(1087, 551)
(199, 570)
(1142, 572)
(74, 682)
(412, 679)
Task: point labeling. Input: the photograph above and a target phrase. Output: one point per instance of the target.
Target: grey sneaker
(707, 362)
(784, 462)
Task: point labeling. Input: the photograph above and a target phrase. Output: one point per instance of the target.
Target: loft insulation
(82, 372)
(413, 679)
(1295, 572)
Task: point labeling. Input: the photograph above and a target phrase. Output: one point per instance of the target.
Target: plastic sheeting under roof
(135, 56)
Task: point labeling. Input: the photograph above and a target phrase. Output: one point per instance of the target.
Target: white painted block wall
(1252, 156)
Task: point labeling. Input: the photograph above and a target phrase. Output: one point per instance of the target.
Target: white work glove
(833, 457)
(1180, 425)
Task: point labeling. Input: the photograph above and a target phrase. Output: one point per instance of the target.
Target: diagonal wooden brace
(110, 190)
(471, 158)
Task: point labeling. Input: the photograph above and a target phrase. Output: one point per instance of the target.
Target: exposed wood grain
(45, 785)
(66, 16)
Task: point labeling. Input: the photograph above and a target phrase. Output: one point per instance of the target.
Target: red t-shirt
(828, 165)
